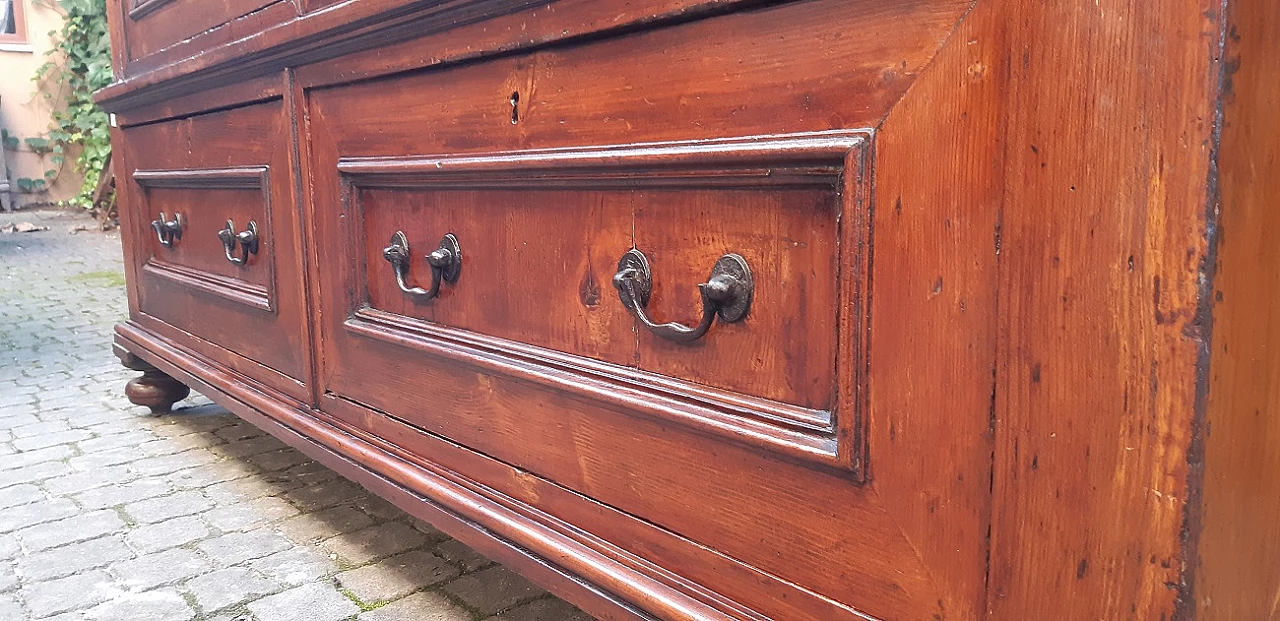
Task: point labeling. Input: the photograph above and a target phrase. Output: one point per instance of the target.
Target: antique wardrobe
(738, 309)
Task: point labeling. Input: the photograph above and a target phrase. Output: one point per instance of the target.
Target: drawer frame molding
(830, 439)
(234, 178)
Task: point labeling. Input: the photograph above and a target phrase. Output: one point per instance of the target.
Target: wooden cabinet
(808, 310)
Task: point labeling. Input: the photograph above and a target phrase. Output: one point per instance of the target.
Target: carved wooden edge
(837, 159)
(602, 579)
(230, 178)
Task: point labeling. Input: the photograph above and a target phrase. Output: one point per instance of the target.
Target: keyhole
(515, 108)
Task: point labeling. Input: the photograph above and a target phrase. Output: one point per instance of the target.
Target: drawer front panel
(541, 235)
(205, 200)
(236, 301)
(540, 252)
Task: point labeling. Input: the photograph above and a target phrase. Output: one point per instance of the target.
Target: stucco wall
(24, 111)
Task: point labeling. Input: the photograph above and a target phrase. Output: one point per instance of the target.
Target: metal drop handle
(168, 231)
(445, 262)
(246, 239)
(727, 294)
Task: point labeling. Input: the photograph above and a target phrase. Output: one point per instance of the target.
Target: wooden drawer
(240, 295)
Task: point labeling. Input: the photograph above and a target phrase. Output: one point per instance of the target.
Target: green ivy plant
(79, 64)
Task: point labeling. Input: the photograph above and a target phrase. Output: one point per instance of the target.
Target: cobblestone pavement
(109, 514)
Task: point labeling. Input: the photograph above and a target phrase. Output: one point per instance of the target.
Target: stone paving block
(238, 430)
(34, 513)
(8, 577)
(228, 587)
(159, 605)
(235, 548)
(327, 494)
(295, 566)
(9, 547)
(81, 481)
(165, 464)
(163, 508)
(275, 461)
(419, 607)
(73, 558)
(209, 474)
(310, 473)
(244, 448)
(38, 428)
(20, 494)
(37, 472)
(71, 593)
(51, 439)
(13, 421)
(365, 545)
(26, 458)
(124, 493)
(547, 609)
(312, 527)
(397, 576)
(153, 570)
(69, 530)
(129, 440)
(378, 508)
(241, 490)
(459, 554)
(493, 590)
(168, 534)
(309, 602)
(100, 459)
(9, 608)
(250, 514)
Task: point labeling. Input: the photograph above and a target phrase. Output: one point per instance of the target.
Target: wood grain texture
(1238, 572)
(1103, 255)
(938, 192)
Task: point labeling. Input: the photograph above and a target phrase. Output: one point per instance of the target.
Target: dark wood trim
(142, 8)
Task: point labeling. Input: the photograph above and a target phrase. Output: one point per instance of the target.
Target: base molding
(600, 578)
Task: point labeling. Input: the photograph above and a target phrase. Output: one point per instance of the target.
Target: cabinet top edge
(355, 26)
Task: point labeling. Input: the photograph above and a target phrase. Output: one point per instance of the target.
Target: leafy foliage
(78, 65)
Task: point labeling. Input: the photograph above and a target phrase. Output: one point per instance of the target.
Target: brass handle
(167, 231)
(445, 262)
(727, 294)
(247, 239)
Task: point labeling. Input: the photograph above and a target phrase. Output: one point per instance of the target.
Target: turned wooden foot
(154, 389)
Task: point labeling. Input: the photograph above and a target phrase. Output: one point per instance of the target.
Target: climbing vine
(79, 64)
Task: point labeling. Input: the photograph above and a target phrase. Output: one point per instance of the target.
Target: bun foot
(154, 389)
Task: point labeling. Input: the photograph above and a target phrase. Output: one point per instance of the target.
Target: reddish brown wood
(155, 389)
(1103, 264)
(1237, 575)
(975, 380)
